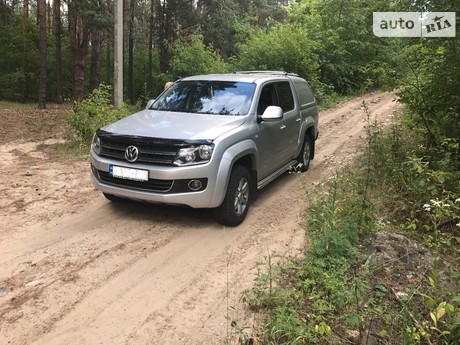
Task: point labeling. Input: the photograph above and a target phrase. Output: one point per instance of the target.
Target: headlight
(194, 155)
(205, 152)
(96, 144)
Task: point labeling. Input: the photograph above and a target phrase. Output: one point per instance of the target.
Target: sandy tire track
(76, 269)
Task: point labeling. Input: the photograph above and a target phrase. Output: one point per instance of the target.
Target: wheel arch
(244, 154)
(249, 162)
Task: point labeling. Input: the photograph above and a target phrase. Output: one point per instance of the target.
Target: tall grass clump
(302, 300)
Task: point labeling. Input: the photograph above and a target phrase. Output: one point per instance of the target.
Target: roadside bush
(431, 90)
(283, 47)
(94, 112)
(300, 298)
(339, 293)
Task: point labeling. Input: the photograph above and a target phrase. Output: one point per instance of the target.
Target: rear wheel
(237, 198)
(305, 155)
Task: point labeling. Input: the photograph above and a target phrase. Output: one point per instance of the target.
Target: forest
(62, 50)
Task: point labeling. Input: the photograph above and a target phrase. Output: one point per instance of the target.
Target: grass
(6, 105)
(332, 101)
(339, 293)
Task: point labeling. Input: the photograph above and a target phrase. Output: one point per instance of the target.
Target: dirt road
(77, 269)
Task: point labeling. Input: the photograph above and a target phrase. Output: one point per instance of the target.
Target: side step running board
(262, 183)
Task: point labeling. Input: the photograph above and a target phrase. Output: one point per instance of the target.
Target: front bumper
(167, 184)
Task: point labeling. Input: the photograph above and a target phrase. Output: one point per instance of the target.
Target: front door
(271, 133)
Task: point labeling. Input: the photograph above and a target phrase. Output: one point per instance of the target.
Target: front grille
(151, 150)
(152, 185)
(155, 154)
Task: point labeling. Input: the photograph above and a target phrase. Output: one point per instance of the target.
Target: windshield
(207, 97)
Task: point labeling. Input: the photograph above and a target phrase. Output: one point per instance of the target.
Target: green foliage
(415, 187)
(431, 89)
(351, 58)
(329, 43)
(302, 296)
(12, 80)
(320, 297)
(440, 321)
(195, 58)
(286, 327)
(11, 77)
(284, 47)
(337, 52)
(94, 112)
(140, 73)
(218, 30)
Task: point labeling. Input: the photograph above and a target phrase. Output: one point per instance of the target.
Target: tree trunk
(163, 36)
(79, 75)
(49, 17)
(118, 54)
(150, 63)
(58, 63)
(79, 42)
(5, 14)
(108, 38)
(131, 53)
(108, 63)
(94, 70)
(25, 81)
(41, 9)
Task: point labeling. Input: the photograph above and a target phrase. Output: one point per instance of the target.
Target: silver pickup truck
(209, 141)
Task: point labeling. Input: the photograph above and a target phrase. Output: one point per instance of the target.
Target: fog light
(195, 185)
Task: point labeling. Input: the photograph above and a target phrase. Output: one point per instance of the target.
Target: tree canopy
(328, 42)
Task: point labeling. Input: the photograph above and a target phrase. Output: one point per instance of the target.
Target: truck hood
(172, 125)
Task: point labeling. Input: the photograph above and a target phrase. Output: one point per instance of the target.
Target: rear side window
(285, 98)
(304, 92)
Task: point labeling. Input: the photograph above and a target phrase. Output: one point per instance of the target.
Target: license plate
(129, 173)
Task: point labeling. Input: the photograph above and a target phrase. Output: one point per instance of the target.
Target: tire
(305, 154)
(237, 198)
(114, 198)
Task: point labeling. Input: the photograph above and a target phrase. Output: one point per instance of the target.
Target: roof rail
(266, 72)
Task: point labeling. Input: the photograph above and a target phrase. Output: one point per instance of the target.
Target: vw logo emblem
(131, 153)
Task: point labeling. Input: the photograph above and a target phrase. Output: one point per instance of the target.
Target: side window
(285, 98)
(267, 98)
(304, 92)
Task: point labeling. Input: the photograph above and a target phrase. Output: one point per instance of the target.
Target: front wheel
(237, 198)
(305, 155)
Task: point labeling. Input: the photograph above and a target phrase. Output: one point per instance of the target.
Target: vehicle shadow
(172, 215)
(184, 216)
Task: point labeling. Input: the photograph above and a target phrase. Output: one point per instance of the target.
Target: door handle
(283, 127)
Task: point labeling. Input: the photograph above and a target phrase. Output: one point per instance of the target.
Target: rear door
(292, 120)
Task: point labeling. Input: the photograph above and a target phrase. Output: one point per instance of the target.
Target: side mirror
(272, 113)
(149, 103)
